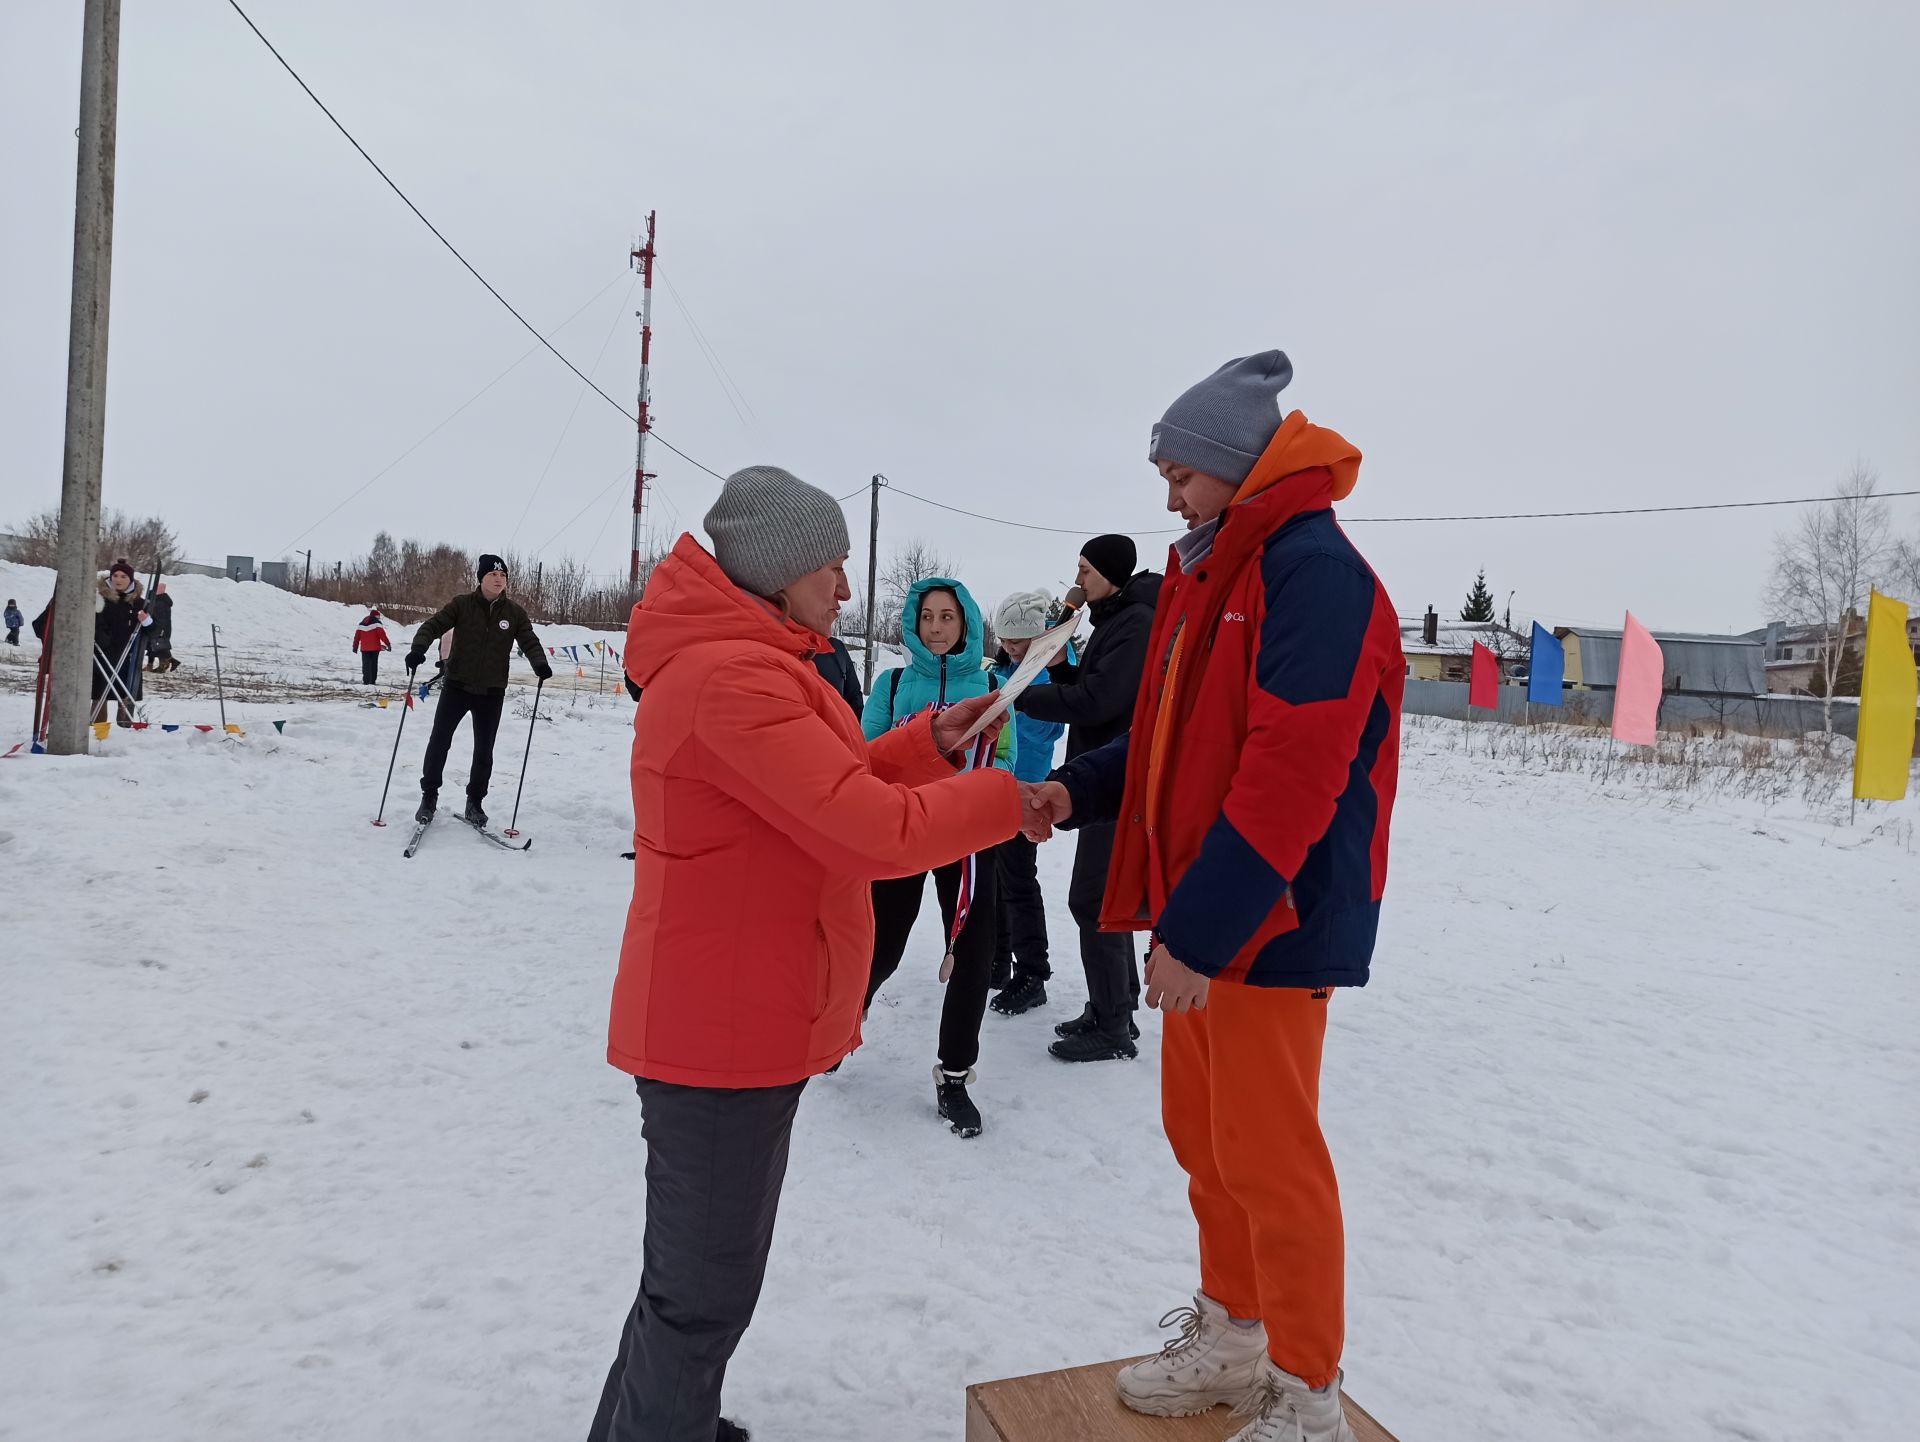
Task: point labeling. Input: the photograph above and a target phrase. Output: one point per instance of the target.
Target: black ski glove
(416, 659)
(633, 688)
(543, 670)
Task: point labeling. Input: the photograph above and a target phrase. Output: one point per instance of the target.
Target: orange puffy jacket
(761, 815)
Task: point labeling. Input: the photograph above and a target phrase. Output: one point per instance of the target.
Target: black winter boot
(429, 800)
(1002, 973)
(1085, 1022)
(950, 1099)
(473, 815)
(1023, 996)
(1093, 1045)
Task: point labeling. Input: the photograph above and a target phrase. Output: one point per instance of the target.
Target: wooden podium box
(1079, 1405)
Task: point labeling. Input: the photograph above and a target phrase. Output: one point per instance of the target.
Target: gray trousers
(715, 1163)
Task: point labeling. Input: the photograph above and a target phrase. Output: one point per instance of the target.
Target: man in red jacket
(1252, 797)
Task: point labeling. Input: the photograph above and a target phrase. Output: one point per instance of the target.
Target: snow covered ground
(305, 1141)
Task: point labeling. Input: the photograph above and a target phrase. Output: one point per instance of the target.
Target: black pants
(370, 667)
(13, 635)
(896, 905)
(1020, 941)
(454, 703)
(716, 1160)
(1113, 970)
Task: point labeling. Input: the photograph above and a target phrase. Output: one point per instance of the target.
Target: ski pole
(538, 686)
(406, 705)
(219, 685)
(117, 688)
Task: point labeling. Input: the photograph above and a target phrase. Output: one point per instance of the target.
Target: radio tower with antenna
(642, 261)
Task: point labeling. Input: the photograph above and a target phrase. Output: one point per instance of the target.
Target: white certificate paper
(1040, 654)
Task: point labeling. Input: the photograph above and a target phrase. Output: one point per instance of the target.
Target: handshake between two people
(1043, 805)
(1171, 984)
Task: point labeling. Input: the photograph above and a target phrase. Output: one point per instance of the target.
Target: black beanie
(489, 564)
(1113, 557)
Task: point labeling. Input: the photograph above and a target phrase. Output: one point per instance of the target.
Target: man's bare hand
(1171, 986)
(1043, 807)
(951, 724)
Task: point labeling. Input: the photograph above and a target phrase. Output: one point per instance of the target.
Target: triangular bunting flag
(101, 729)
(233, 730)
(165, 727)
(281, 727)
(38, 750)
(198, 727)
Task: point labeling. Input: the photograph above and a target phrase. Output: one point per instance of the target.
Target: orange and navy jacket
(1255, 789)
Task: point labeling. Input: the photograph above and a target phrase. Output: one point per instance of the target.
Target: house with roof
(1694, 664)
(1795, 664)
(1442, 650)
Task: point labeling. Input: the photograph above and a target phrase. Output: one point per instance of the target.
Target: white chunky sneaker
(1211, 1362)
(1285, 1409)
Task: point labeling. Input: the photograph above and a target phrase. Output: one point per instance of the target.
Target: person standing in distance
(1253, 795)
(1094, 697)
(369, 640)
(474, 682)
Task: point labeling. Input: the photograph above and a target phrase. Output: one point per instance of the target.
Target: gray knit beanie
(769, 528)
(1221, 426)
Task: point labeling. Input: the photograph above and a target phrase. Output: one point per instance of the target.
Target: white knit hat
(1022, 616)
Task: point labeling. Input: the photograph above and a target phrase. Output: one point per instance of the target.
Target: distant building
(1795, 654)
(1695, 665)
(1440, 650)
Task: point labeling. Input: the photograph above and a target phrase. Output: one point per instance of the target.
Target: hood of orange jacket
(1299, 445)
(689, 602)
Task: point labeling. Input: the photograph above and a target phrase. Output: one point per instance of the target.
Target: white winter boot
(1211, 1362)
(1285, 1409)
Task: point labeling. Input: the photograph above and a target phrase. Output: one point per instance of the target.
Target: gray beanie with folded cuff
(1221, 426)
(769, 528)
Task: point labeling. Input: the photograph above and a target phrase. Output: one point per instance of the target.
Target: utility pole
(308, 580)
(642, 260)
(72, 639)
(873, 568)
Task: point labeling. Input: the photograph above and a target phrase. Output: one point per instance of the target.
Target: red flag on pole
(1484, 690)
(1636, 697)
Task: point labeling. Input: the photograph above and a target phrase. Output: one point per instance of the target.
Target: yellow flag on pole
(1883, 745)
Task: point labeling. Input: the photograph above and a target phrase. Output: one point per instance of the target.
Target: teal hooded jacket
(930, 681)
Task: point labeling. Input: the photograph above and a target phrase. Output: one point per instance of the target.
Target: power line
(445, 421)
(729, 387)
(578, 396)
(1410, 520)
(451, 248)
(1620, 511)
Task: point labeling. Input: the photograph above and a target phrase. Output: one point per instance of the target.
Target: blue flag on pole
(1546, 668)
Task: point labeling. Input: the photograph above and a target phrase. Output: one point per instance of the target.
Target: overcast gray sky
(1525, 256)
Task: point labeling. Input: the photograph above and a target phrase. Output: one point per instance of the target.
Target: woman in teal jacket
(944, 637)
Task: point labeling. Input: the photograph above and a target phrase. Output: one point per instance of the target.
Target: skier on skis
(944, 637)
(1252, 798)
(474, 680)
(369, 640)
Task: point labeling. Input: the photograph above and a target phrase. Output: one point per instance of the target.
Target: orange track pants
(1240, 1097)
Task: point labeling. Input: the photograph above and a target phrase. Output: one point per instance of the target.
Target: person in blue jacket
(1021, 970)
(944, 636)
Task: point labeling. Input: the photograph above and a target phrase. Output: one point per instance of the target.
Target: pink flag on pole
(1636, 697)
(1484, 689)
